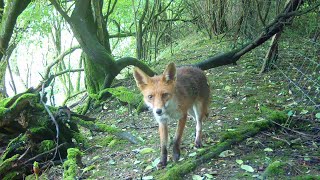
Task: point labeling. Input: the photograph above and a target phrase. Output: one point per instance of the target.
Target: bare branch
(60, 10)
(59, 58)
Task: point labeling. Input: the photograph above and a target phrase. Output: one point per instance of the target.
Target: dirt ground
(238, 93)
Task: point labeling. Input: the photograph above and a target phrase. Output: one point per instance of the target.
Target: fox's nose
(159, 111)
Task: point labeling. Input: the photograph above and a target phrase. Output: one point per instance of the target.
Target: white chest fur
(171, 111)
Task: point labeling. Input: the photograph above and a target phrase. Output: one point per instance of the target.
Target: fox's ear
(140, 77)
(170, 73)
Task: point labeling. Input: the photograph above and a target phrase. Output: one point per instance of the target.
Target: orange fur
(173, 95)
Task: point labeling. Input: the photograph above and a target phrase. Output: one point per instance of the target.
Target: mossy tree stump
(31, 134)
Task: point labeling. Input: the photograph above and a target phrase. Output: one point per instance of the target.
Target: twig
(53, 120)
(146, 127)
(47, 152)
(24, 154)
(298, 132)
(277, 138)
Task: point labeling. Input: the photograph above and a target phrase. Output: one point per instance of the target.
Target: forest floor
(238, 93)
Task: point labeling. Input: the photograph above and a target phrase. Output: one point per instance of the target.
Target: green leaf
(96, 157)
(303, 112)
(227, 88)
(201, 150)
(140, 139)
(111, 162)
(146, 150)
(290, 113)
(147, 177)
(192, 154)
(148, 168)
(156, 162)
(307, 158)
(209, 176)
(247, 168)
(136, 162)
(196, 177)
(89, 168)
(226, 153)
(268, 150)
(239, 161)
(318, 115)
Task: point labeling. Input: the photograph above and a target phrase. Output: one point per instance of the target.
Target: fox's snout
(158, 106)
(158, 111)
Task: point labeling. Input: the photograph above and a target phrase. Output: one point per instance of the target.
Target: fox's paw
(176, 153)
(161, 165)
(176, 156)
(198, 144)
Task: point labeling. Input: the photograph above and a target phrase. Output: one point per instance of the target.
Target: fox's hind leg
(198, 116)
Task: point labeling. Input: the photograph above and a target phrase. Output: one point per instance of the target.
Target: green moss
(279, 144)
(254, 156)
(278, 116)
(46, 145)
(263, 124)
(70, 165)
(11, 175)
(274, 169)
(3, 111)
(33, 177)
(38, 130)
(177, 171)
(6, 164)
(112, 143)
(106, 128)
(140, 106)
(32, 99)
(14, 144)
(80, 138)
(239, 134)
(105, 141)
(42, 121)
(95, 78)
(307, 177)
(4, 102)
(97, 126)
(274, 115)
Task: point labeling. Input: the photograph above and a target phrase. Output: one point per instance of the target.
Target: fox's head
(157, 91)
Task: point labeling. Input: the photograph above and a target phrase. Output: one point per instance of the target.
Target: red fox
(173, 95)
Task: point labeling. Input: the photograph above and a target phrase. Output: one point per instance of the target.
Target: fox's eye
(150, 96)
(165, 95)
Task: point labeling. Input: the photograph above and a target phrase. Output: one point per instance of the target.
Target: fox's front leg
(163, 131)
(178, 137)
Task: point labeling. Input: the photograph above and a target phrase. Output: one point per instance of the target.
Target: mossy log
(179, 170)
(37, 136)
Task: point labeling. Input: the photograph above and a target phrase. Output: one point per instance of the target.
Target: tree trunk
(272, 54)
(140, 31)
(9, 15)
(100, 67)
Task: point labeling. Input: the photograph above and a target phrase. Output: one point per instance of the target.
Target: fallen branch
(276, 26)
